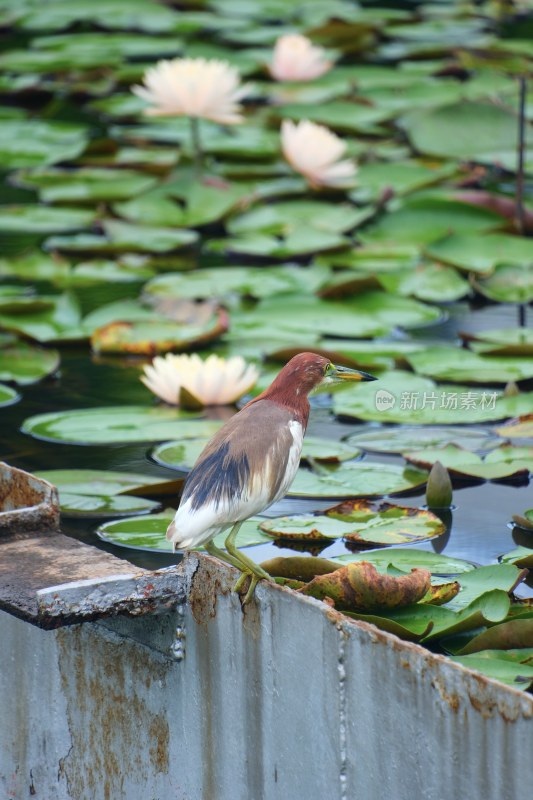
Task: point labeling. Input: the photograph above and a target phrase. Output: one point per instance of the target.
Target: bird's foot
(255, 576)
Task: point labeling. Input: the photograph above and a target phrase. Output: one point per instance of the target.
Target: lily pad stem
(196, 144)
(521, 147)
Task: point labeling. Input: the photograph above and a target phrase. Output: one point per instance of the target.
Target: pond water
(480, 528)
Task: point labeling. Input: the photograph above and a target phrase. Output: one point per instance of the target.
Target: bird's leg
(247, 565)
(211, 548)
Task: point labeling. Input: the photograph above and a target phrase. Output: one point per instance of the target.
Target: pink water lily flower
(296, 58)
(315, 152)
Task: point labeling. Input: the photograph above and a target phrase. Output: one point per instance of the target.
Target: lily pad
(42, 219)
(514, 633)
(411, 399)
(502, 341)
(117, 424)
(48, 318)
(8, 396)
(521, 557)
(502, 462)
(405, 558)
(123, 237)
(497, 665)
(434, 283)
(150, 337)
(85, 505)
(384, 523)
(148, 533)
(405, 438)
(481, 253)
(86, 185)
(520, 428)
(23, 364)
(446, 363)
(32, 143)
(509, 283)
(471, 131)
(356, 480)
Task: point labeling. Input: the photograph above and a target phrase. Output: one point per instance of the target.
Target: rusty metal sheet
(27, 503)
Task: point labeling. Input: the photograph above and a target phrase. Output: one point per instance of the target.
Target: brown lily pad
(359, 586)
(149, 338)
(518, 428)
(382, 523)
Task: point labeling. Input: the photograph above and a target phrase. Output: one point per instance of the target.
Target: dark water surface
(480, 528)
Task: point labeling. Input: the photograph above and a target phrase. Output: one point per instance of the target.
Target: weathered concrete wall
(284, 700)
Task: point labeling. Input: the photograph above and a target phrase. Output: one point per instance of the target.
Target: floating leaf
(84, 505)
(510, 283)
(521, 557)
(406, 398)
(359, 585)
(299, 568)
(405, 558)
(470, 131)
(501, 462)
(367, 524)
(481, 253)
(148, 533)
(32, 143)
(117, 424)
(520, 428)
(433, 283)
(502, 341)
(405, 438)
(446, 363)
(319, 449)
(49, 318)
(516, 633)
(150, 337)
(499, 667)
(42, 219)
(8, 396)
(85, 185)
(356, 479)
(24, 364)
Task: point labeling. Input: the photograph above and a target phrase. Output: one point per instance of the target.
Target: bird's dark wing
(252, 446)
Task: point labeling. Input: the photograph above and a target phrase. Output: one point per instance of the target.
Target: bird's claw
(254, 580)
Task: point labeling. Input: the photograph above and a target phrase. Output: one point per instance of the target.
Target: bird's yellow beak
(336, 373)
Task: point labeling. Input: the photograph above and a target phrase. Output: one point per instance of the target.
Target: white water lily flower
(193, 87)
(296, 58)
(213, 382)
(314, 151)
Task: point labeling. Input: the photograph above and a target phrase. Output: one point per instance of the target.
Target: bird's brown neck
(287, 397)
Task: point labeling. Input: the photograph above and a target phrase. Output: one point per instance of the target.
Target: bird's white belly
(193, 527)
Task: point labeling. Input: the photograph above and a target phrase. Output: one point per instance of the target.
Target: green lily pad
(86, 185)
(107, 14)
(403, 177)
(23, 364)
(247, 281)
(49, 318)
(361, 522)
(481, 252)
(410, 399)
(434, 283)
(150, 337)
(513, 633)
(448, 363)
(405, 438)
(42, 219)
(8, 396)
(121, 237)
(117, 424)
(502, 462)
(521, 557)
(281, 218)
(32, 143)
(84, 505)
(406, 558)
(501, 341)
(340, 115)
(148, 533)
(498, 665)
(471, 131)
(422, 220)
(356, 480)
(509, 283)
(99, 482)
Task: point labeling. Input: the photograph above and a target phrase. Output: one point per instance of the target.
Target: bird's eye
(328, 368)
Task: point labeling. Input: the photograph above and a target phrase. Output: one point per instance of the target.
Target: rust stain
(116, 728)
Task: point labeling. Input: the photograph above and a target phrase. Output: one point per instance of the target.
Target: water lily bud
(439, 487)
(511, 389)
